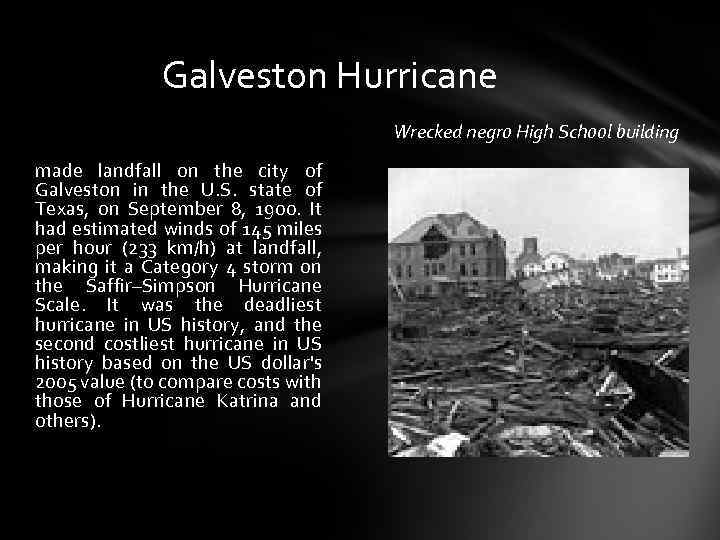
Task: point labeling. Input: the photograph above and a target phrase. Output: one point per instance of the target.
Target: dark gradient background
(326, 472)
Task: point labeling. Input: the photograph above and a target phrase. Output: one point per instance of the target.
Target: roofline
(490, 232)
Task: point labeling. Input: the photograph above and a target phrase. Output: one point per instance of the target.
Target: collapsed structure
(446, 252)
(592, 368)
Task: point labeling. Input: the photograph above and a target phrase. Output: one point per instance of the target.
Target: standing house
(685, 268)
(532, 266)
(529, 263)
(556, 263)
(444, 251)
(556, 268)
(667, 271)
(675, 270)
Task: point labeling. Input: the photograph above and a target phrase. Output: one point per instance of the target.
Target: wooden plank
(549, 348)
(413, 429)
(451, 390)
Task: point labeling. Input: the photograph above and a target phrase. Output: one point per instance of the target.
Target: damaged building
(567, 344)
(446, 252)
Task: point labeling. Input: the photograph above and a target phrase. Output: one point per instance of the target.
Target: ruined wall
(483, 259)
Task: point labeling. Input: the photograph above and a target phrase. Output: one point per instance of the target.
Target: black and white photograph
(205, 321)
(538, 312)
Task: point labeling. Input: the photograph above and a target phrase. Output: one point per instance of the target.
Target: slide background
(102, 98)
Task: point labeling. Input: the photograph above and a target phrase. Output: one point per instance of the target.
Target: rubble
(525, 374)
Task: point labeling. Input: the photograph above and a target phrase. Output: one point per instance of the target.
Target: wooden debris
(475, 372)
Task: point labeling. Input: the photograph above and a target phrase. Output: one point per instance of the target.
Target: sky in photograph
(582, 212)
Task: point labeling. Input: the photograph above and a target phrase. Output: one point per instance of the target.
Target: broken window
(435, 243)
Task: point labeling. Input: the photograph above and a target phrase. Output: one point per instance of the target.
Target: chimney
(529, 245)
(679, 253)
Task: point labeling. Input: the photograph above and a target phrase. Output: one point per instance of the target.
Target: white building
(533, 266)
(685, 267)
(667, 271)
(556, 262)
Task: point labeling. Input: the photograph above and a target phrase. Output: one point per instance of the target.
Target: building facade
(667, 271)
(446, 252)
(616, 266)
(529, 263)
(555, 262)
(685, 268)
(644, 270)
(582, 271)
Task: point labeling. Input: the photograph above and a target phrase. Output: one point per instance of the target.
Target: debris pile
(526, 376)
